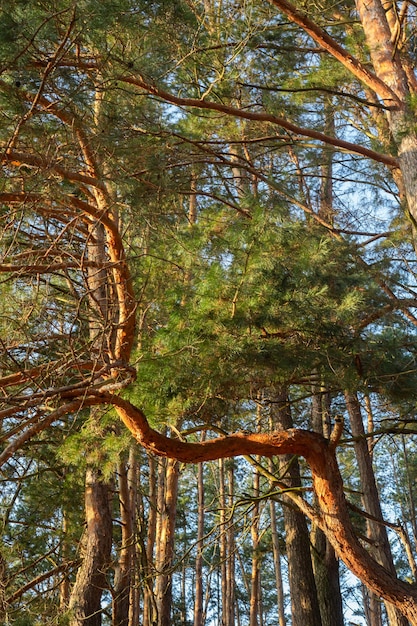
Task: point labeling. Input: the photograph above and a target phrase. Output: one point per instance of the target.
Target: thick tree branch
(347, 146)
(43, 424)
(327, 484)
(327, 42)
(39, 579)
(15, 158)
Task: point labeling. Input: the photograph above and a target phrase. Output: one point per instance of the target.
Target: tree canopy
(208, 219)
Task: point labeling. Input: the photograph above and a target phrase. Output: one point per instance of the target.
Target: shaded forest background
(208, 224)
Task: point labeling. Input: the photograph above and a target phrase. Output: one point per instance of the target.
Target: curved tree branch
(327, 484)
(348, 146)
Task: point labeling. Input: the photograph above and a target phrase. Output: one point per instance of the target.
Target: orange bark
(382, 50)
(327, 483)
(325, 41)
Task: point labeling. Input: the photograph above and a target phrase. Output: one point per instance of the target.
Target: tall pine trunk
(255, 588)
(199, 591)
(124, 567)
(91, 581)
(85, 599)
(147, 542)
(371, 607)
(277, 566)
(227, 543)
(378, 20)
(164, 557)
(305, 607)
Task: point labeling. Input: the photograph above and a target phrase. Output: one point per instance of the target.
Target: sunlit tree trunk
(64, 587)
(3, 584)
(410, 491)
(123, 572)
(255, 586)
(304, 601)
(148, 540)
(91, 581)
(223, 543)
(199, 591)
(277, 566)
(135, 459)
(231, 546)
(85, 600)
(227, 544)
(164, 556)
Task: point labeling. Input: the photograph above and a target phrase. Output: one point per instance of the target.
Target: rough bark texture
(85, 601)
(165, 545)
(305, 608)
(124, 567)
(390, 71)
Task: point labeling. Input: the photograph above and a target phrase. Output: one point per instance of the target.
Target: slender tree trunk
(85, 601)
(410, 492)
(371, 607)
(64, 587)
(227, 545)
(199, 592)
(137, 512)
(3, 585)
(165, 544)
(231, 547)
(255, 588)
(124, 568)
(149, 602)
(277, 566)
(304, 601)
(223, 543)
(376, 531)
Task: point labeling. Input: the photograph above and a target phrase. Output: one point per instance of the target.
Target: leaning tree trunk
(304, 600)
